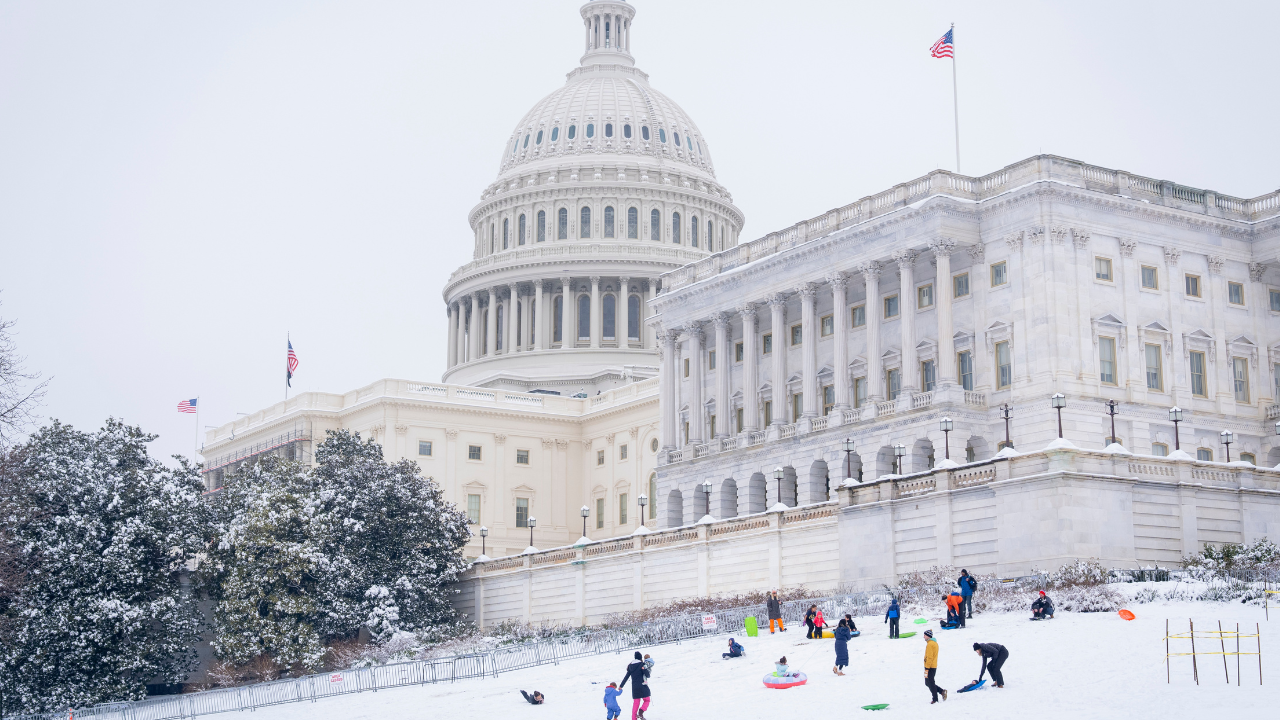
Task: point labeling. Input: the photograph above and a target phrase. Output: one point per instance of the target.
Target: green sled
(753, 630)
(906, 635)
(880, 706)
(921, 621)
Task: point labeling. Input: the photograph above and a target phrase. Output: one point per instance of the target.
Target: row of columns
(528, 325)
(619, 32)
(838, 283)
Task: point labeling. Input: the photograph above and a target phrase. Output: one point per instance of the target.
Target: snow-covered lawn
(1076, 666)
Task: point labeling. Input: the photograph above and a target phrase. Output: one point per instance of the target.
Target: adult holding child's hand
(638, 675)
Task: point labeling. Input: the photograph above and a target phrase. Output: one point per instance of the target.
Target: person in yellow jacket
(931, 666)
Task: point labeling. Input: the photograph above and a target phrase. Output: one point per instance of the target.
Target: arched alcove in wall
(728, 505)
(675, 509)
(757, 489)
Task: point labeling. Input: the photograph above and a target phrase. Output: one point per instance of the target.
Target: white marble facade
(956, 296)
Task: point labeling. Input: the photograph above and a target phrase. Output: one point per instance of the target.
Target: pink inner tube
(782, 683)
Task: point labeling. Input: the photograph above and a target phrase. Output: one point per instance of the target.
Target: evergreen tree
(105, 531)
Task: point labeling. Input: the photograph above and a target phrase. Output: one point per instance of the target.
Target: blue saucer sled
(972, 686)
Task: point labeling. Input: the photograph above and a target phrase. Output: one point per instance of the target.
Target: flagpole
(195, 449)
(288, 340)
(955, 96)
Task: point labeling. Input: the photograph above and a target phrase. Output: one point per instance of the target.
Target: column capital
(721, 319)
(977, 253)
(906, 258)
(1215, 264)
(537, 284)
(942, 246)
(870, 270)
(1171, 256)
(838, 280)
(695, 331)
(1127, 246)
(1014, 241)
(777, 300)
(748, 310)
(1256, 271)
(595, 280)
(624, 283)
(808, 291)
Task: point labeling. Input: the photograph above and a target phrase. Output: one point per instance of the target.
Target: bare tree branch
(20, 391)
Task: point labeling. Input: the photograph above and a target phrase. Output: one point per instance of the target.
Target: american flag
(945, 47)
(187, 406)
(290, 366)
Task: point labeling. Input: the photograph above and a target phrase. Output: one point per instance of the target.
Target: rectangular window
(1275, 300)
(1240, 374)
(891, 306)
(599, 513)
(473, 509)
(928, 376)
(1275, 374)
(827, 325)
(766, 344)
(1102, 268)
(1235, 293)
(893, 383)
(859, 315)
(1150, 278)
(686, 367)
(1159, 449)
(1107, 360)
(1155, 378)
(622, 508)
(1193, 286)
(711, 360)
(964, 363)
(828, 398)
(1004, 365)
(738, 416)
(797, 334)
(768, 412)
(1198, 386)
(1249, 458)
(999, 274)
(924, 296)
(599, 457)
(622, 452)
(713, 425)
(473, 452)
(686, 432)
(1204, 454)
(522, 457)
(424, 447)
(797, 406)
(522, 512)
(859, 391)
(960, 285)
(737, 352)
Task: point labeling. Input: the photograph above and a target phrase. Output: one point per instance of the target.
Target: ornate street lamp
(898, 451)
(532, 524)
(484, 533)
(1111, 410)
(1175, 417)
(1228, 437)
(706, 490)
(847, 446)
(946, 426)
(1059, 401)
(643, 500)
(778, 475)
(585, 512)
(1006, 412)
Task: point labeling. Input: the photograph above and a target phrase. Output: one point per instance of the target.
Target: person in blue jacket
(891, 617)
(967, 585)
(735, 650)
(612, 710)
(842, 647)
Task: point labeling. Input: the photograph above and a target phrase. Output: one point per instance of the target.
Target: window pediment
(1202, 341)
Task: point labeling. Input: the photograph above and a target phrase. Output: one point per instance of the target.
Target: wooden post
(1195, 671)
(1166, 651)
(1222, 641)
(1237, 654)
(1258, 629)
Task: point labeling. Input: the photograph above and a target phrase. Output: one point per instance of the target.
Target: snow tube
(781, 683)
(1126, 615)
(948, 626)
(920, 621)
(880, 706)
(855, 633)
(973, 686)
(906, 635)
(828, 634)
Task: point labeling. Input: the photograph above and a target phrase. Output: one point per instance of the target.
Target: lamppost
(1059, 401)
(946, 426)
(1111, 410)
(778, 475)
(898, 451)
(644, 500)
(1006, 412)
(484, 533)
(1228, 437)
(847, 446)
(532, 524)
(706, 490)
(585, 511)
(1175, 417)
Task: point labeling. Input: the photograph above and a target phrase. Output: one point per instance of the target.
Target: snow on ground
(1077, 666)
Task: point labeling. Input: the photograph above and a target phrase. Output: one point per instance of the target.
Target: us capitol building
(835, 392)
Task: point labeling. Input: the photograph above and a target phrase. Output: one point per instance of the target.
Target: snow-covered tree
(105, 531)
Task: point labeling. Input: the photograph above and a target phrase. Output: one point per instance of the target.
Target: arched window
(608, 221)
(644, 132)
(584, 317)
(655, 226)
(521, 229)
(699, 144)
(610, 317)
(608, 129)
(711, 236)
(633, 223)
(555, 133)
(693, 232)
(526, 140)
(626, 131)
(491, 236)
(675, 227)
(688, 141)
(633, 317)
(538, 140)
(591, 130)
(498, 325)
(562, 231)
(506, 233)
(542, 225)
(674, 133)
(662, 134)
(557, 323)
(515, 145)
(584, 223)
(653, 495)
(573, 131)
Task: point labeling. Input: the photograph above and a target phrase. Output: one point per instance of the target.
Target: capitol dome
(603, 186)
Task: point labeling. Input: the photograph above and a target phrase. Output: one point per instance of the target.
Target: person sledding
(955, 610)
(1042, 608)
(842, 635)
(809, 616)
(848, 622)
(781, 669)
(536, 698)
(931, 666)
(891, 616)
(993, 656)
(735, 650)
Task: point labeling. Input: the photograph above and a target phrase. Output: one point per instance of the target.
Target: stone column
(648, 332)
(596, 321)
(750, 376)
(571, 315)
(778, 318)
(621, 312)
(473, 347)
(724, 368)
(461, 356)
(490, 325)
(539, 316)
(509, 320)
(697, 410)
(942, 298)
(809, 350)
(840, 318)
(566, 298)
(906, 260)
(451, 358)
(875, 371)
(668, 398)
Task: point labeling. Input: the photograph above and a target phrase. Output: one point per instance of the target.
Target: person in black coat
(808, 620)
(842, 647)
(535, 699)
(1042, 608)
(993, 657)
(639, 687)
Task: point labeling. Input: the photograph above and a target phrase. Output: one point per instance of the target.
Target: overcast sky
(183, 183)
